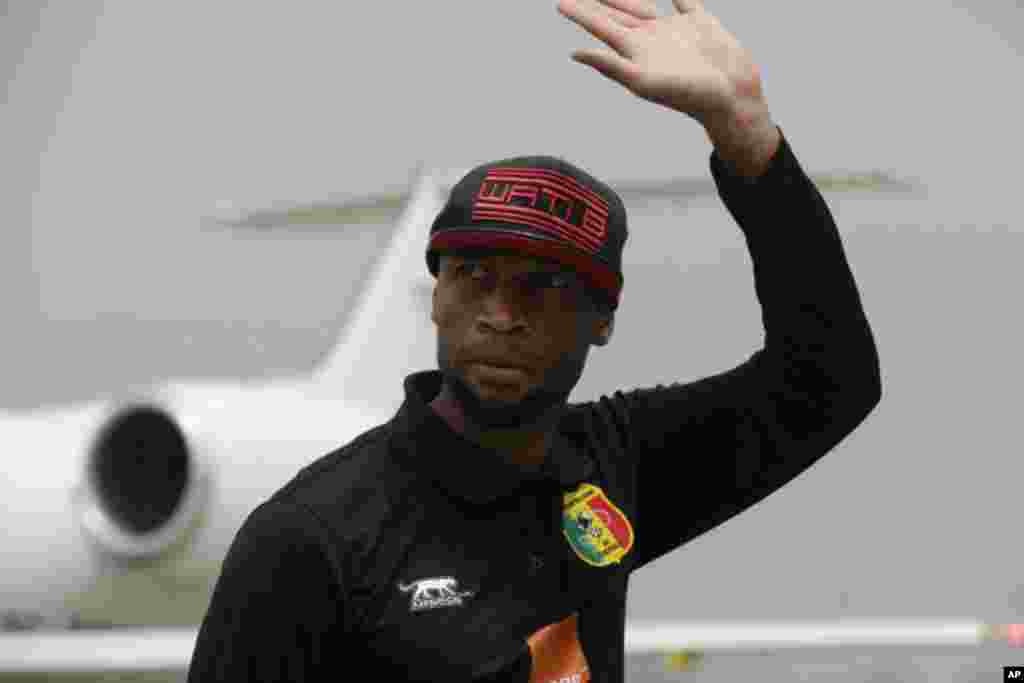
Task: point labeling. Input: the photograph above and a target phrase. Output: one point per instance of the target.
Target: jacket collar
(466, 469)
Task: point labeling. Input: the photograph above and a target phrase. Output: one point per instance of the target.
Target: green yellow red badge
(597, 530)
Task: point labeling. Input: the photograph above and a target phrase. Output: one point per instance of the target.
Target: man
(488, 531)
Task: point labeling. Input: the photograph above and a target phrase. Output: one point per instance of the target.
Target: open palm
(685, 61)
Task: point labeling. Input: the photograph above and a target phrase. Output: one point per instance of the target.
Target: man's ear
(604, 326)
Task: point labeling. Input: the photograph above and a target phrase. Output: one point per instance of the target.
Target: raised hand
(685, 61)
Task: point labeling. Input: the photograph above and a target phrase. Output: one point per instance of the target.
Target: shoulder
(607, 416)
(349, 487)
(637, 417)
(601, 428)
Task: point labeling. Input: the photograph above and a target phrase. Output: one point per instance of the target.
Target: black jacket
(419, 555)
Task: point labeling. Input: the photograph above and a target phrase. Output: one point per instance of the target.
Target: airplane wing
(383, 205)
(138, 650)
(88, 651)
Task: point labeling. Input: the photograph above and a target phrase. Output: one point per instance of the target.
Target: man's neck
(524, 446)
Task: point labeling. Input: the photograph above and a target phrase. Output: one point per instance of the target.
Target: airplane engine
(144, 484)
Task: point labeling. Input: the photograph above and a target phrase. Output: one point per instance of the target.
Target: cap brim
(599, 274)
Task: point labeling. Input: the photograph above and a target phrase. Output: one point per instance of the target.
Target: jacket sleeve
(704, 451)
(275, 613)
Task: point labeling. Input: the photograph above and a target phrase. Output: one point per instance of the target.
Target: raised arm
(704, 451)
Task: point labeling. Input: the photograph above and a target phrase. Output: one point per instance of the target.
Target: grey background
(123, 123)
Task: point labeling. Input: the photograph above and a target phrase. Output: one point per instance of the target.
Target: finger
(627, 20)
(642, 9)
(609, 64)
(597, 23)
(685, 6)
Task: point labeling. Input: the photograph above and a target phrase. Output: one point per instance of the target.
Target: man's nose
(503, 308)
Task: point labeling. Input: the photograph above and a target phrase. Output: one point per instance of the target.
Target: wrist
(745, 143)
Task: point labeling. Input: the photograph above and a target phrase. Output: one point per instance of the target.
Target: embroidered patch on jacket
(440, 591)
(598, 531)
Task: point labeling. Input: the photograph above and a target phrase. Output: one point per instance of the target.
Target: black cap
(541, 206)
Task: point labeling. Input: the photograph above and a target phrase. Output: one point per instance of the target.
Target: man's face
(513, 333)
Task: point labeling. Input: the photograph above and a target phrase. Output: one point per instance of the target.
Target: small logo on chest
(440, 591)
(598, 531)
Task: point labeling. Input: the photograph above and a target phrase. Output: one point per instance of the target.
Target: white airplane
(117, 514)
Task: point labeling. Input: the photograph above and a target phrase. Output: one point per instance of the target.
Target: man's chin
(485, 404)
(497, 396)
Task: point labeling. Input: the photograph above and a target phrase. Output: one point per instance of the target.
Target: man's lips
(502, 363)
(499, 377)
(501, 370)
